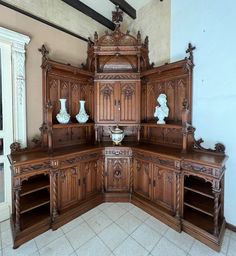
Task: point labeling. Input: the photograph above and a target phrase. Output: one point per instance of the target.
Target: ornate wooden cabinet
(159, 167)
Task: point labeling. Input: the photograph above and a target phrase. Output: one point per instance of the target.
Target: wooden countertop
(200, 157)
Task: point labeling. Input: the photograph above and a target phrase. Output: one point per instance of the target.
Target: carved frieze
(117, 76)
(78, 159)
(30, 168)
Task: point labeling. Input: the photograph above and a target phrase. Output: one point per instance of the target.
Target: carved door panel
(164, 182)
(142, 178)
(91, 184)
(69, 187)
(107, 102)
(129, 102)
(117, 174)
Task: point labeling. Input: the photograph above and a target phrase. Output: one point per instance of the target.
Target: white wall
(210, 26)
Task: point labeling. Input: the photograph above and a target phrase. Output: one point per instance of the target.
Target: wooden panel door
(91, 183)
(129, 102)
(164, 186)
(142, 178)
(69, 187)
(117, 174)
(106, 94)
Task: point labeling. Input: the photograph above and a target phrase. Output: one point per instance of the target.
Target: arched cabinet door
(164, 187)
(142, 174)
(69, 187)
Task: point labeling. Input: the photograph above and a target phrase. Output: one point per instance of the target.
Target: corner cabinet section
(118, 102)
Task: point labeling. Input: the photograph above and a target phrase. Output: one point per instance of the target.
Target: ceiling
(105, 7)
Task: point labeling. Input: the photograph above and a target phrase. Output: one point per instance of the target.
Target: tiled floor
(113, 229)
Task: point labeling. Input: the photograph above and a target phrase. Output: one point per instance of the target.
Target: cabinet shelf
(35, 184)
(199, 219)
(198, 186)
(34, 200)
(177, 125)
(199, 202)
(71, 125)
(31, 218)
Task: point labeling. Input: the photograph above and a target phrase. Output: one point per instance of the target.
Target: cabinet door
(90, 178)
(117, 174)
(142, 178)
(69, 187)
(129, 102)
(164, 181)
(106, 95)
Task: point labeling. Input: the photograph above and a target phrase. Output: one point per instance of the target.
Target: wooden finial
(190, 51)
(44, 52)
(117, 16)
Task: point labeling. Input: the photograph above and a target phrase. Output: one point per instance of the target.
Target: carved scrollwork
(15, 147)
(106, 91)
(219, 147)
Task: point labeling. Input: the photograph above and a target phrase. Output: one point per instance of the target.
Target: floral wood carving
(15, 147)
(128, 91)
(117, 16)
(106, 91)
(219, 147)
(44, 53)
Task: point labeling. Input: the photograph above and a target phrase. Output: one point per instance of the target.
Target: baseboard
(230, 227)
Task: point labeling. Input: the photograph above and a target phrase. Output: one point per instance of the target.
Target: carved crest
(128, 91)
(106, 91)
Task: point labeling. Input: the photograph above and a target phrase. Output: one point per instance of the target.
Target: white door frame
(12, 46)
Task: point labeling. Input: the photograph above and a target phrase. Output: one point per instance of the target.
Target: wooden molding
(78, 5)
(230, 227)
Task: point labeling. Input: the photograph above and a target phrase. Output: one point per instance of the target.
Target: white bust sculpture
(161, 111)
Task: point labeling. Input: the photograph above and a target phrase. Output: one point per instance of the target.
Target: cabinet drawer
(118, 151)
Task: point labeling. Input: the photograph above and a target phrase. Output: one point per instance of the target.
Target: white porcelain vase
(82, 117)
(63, 117)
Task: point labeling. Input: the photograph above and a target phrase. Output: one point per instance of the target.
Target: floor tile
(225, 244)
(99, 222)
(47, 237)
(199, 248)
(114, 212)
(113, 236)
(6, 238)
(228, 232)
(128, 222)
(146, 236)
(92, 213)
(182, 240)
(232, 247)
(27, 249)
(5, 225)
(94, 247)
(156, 225)
(139, 213)
(72, 224)
(233, 235)
(73, 254)
(80, 235)
(130, 248)
(166, 248)
(126, 206)
(104, 206)
(59, 247)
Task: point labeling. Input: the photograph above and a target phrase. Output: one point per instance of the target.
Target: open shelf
(71, 125)
(31, 218)
(34, 184)
(199, 186)
(176, 125)
(199, 219)
(34, 200)
(199, 202)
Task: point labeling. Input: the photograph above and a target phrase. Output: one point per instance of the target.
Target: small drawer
(118, 151)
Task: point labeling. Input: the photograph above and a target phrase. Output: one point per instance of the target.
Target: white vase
(82, 116)
(63, 117)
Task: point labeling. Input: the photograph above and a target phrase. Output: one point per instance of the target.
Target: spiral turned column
(17, 209)
(131, 184)
(216, 212)
(54, 195)
(177, 215)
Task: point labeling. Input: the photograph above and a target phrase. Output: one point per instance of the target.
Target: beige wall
(62, 47)
(153, 20)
